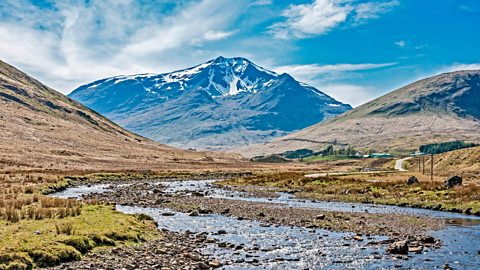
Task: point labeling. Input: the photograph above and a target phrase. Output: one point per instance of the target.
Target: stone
(168, 214)
(194, 256)
(320, 217)
(215, 264)
(358, 237)
(210, 240)
(204, 211)
(194, 213)
(412, 180)
(428, 239)
(453, 181)
(222, 232)
(203, 265)
(399, 247)
(417, 250)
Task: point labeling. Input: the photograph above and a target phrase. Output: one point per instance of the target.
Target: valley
(228, 165)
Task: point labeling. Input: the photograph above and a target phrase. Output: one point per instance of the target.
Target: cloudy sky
(353, 50)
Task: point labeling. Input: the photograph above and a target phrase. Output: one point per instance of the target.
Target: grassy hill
(437, 109)
(42, 129)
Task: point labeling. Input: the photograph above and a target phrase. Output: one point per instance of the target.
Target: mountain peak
(237, 59)
(221, 103)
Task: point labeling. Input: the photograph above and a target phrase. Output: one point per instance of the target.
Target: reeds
(66, 228)
(19, 199)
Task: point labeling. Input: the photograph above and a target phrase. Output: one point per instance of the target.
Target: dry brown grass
(20, 199)
(381, 188)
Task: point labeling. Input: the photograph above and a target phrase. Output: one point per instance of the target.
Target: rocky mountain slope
(43, 129)
(437, 109)
(216, 105)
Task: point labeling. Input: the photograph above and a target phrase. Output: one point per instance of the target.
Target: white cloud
(354, 95)
(331, 80)
(312, 71)
(401, 43)
(80, 41)
(372, 10)
(262, 2)
(217, 35)
(461, 66)
(321, 16)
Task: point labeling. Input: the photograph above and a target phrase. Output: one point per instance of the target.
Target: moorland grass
(380, 188)
(40, 231)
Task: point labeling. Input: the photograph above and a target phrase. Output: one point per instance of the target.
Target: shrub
(66, 228)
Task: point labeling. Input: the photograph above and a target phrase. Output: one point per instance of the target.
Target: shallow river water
(283, 247)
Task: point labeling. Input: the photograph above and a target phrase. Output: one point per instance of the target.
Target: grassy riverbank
(379, 188)
(39, 231)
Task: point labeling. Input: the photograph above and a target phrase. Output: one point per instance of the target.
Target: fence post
(431, 167)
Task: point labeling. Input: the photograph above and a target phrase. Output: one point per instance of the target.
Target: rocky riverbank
(171, 251)
(195, 203)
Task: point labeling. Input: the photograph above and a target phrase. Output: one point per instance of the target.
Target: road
(315, 175)
(399, 164)
(398, 167)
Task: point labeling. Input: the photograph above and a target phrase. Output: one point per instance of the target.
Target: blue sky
(354, 50)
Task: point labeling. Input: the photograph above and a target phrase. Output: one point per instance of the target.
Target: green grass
(325, 158)
(41, 243)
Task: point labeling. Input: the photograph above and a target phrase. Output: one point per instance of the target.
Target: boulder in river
(399, 247)
(453, 181)
(412, 180)
(194, 213)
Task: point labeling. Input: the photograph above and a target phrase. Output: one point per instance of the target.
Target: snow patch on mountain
(219, 104)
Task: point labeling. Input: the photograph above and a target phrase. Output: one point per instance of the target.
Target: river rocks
(453, 181)
(170, 251)
(194, 213)
(358, 237)
(210, 240)
(193, 256)
(399, 247)
(417, 249)
(204, 211)
(267, 214)
(168, 214)
(197, 194)
(412, 180)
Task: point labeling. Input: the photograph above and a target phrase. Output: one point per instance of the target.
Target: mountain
(42, 129)
(437, 109)
(222, 103)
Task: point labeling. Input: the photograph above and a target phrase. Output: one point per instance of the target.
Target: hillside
(45, 130)
(465, 162)
(220, 104)
(436, 109)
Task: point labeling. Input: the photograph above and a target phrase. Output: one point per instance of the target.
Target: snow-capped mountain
(223, 103)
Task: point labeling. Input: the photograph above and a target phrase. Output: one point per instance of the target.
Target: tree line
(438, 148)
